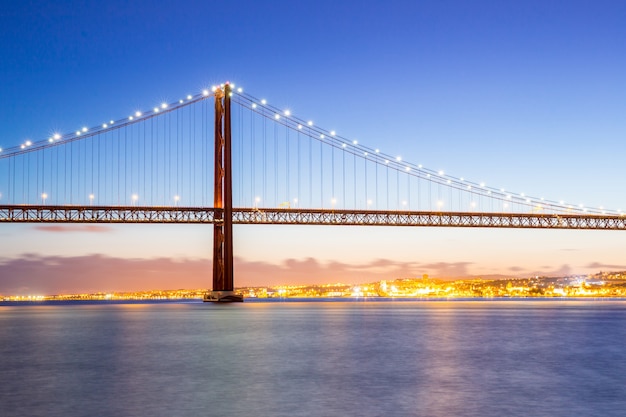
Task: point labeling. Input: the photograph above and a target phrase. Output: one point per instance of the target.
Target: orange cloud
(89, 228)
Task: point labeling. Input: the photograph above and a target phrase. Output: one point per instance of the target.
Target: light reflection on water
(513, 358)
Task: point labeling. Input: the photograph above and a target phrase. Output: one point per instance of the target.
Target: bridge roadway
(295, 216)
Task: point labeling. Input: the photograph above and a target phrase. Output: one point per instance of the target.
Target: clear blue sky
(529, 96)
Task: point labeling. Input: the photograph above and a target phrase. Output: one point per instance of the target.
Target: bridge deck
(181, 215)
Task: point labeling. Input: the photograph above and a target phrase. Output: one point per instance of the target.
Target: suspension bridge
(224, 157)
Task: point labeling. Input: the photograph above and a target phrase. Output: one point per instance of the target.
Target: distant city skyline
(529, 97)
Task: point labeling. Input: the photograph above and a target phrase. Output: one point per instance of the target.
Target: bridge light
(332, 133)
(310, 123)
(130, 117)
(343, 145)
(181, 101)
(78, 133)
(28, 143)
(277, 116)
(22, 146)
(0, 149)
(419, 166)
(205, 92)
(398, 158)
(164, 105)
(43, 197)
(240, 90)
(377, 150)
(441, 173)
(300, 127)
(50, 140)
(287, 113)
(469, 187)
(263, 102)
(138, 114)
(189, 96)
(462, 179)
(482, 184)
(111, 122)
(449, 182)
(57, 136)
(407, 169)
(213, 88)
(156, 109)
(355, 142)
(321, 136)
(386, 161)
(104, 125)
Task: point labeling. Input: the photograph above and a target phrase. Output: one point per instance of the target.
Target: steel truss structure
(320, 217)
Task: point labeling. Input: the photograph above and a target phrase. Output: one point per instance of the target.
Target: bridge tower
(223, 283)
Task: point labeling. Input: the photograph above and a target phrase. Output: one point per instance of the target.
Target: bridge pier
(223, 282)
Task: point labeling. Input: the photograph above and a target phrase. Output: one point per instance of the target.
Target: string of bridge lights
(85, 132)
(308, 128)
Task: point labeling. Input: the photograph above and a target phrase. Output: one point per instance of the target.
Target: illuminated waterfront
(439, 358)
(603, 284)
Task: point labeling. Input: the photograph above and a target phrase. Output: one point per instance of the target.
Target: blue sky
(529, 96)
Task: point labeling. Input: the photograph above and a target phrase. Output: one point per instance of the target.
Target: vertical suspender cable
(343, 176)
(276, 202)
(288, 161)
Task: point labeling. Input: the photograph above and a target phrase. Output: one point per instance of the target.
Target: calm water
(474, 358)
